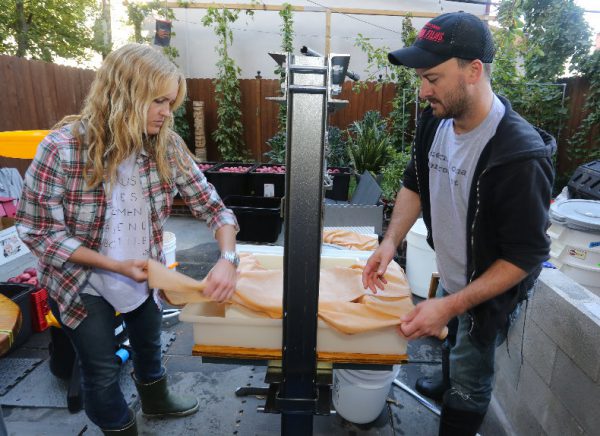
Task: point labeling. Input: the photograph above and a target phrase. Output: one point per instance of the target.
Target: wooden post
(199, 135)
(258, 120)
(327, 32)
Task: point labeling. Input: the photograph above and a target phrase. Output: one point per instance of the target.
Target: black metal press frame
(298, 390)
(298, 387)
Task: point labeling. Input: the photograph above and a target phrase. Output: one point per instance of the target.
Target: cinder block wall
(552, 387)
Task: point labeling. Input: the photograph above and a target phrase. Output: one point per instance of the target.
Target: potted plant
(369, 144)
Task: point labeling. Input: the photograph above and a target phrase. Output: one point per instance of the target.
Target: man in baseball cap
(481, 177)
(454, 35)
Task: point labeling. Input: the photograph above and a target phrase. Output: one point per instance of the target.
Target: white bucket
(420, 259)
(577, 254)
(359, 395)
(575, 247)
(169, 246)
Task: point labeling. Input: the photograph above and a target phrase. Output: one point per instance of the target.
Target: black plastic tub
(206, 166)
(341, 183)
(267, 184)
(259, 217)
(230, 183)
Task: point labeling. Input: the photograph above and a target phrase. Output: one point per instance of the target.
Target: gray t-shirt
(452, 162)
(126, 235)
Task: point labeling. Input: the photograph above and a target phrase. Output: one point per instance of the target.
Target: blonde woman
(93, 206)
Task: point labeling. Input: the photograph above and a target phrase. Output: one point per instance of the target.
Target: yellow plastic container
(21, 144)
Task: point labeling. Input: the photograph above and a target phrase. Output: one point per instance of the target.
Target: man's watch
(231, 257)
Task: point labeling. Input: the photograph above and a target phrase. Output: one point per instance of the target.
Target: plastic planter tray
(265, 184)
(230, 183)
(341, 182)
(259, 218)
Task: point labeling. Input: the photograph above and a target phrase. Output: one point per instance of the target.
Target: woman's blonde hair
(116, 109)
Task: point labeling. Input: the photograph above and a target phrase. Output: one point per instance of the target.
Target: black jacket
(507, 213)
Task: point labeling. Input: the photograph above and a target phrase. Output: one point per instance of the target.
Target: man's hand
(136, 269)
(220, 281)
(372, 276)
(428, 318)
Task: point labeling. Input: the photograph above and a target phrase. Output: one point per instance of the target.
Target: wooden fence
(577, 90)
(37, 94)
(259, 115)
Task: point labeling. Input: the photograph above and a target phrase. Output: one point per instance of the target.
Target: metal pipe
(433, 408)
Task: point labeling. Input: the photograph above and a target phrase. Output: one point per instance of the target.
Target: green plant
(181, 123)
(547, 35)
(229, 132)
(338, 148)
(402, 129)
(277, 142)
(277, 153)
(369, 143)
(287, 41)
(393, 173)
(401, 126)
(557, 34)
(585, 143)
(47, 29)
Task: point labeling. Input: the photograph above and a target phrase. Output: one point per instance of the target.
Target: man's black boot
(435, 386)
(454, 422)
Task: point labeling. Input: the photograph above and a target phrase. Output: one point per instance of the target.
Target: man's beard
(456, 103)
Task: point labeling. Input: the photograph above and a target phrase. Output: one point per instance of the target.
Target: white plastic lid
(577, 214)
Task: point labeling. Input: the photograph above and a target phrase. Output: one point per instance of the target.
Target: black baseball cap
(453, 35)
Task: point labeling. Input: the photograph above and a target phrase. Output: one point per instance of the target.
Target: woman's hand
(135, 269)
(221, 281)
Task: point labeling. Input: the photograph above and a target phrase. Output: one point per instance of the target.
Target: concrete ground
(34, 401)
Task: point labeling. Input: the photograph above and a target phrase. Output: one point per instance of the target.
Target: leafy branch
(229, 132)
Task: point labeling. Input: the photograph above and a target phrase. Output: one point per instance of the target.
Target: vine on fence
(580, 148)
(229, 133)
(287, 41)
(401, 132)
(278, 142)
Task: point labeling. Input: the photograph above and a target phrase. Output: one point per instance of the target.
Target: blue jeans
(94, 342)
(471, 366)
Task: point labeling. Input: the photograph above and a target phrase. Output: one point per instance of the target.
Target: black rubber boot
(454, 422)
(435, 386)
(130, 429)
(158, 401)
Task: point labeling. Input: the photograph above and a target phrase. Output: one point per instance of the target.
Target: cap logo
(431, 32)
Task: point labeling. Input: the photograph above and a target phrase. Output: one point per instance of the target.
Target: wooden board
(273, 354)
(10, 323)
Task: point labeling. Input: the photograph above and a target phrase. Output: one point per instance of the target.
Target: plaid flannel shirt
(58, 212)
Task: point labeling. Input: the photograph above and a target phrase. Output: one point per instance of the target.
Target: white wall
(255, 37)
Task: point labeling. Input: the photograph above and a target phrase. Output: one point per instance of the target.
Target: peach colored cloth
(352, 240)
(343, 303)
